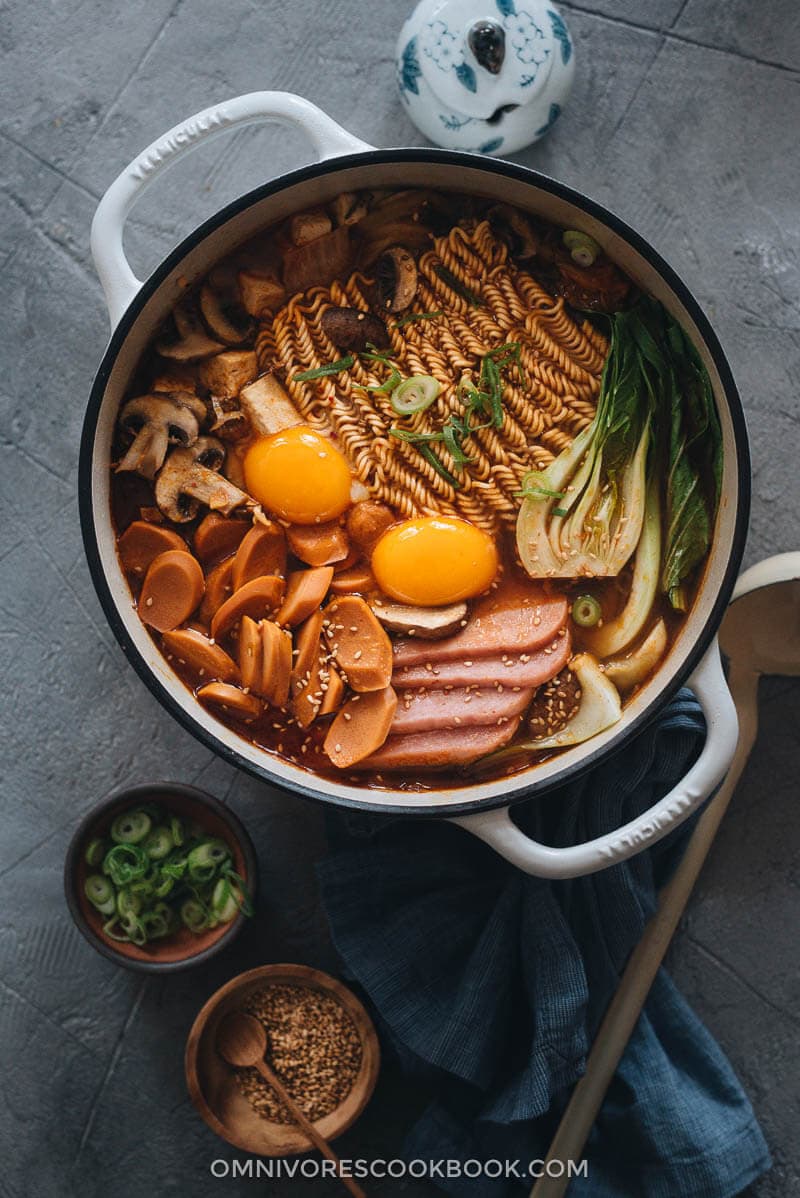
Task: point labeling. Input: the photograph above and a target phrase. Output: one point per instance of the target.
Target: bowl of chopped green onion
(160, 876)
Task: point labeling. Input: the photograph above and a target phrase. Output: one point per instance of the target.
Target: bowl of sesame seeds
(321, 1043)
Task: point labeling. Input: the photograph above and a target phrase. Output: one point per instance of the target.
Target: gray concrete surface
(684, 119)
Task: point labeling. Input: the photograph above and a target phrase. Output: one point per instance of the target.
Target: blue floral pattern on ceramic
(526, 37)
(444, 48)
(553, 115)
(491, 147)
(506, 8)
(455, 122)
(561, 34)
(409, 69)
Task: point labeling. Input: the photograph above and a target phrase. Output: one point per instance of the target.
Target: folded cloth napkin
(489, 986)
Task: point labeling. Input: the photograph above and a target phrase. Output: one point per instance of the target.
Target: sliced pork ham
(422, 711)
(498, 623)
(439, 748)
(514, 667)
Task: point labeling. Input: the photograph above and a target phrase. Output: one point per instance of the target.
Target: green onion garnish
(455, 284)
(322, 371)
(415, 394)
(413, 317)
(586, 611)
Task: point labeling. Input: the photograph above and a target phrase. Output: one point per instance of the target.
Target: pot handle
(502, 834)
(119, 282)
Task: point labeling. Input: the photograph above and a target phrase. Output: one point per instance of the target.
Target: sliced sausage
(319, 544)
(357, 580)
(513, 668)
(276, 663)
(141, 542)
(334, 692)
(434, 750)
(492, 629)
(307, 649)
(258, 598)
(216, 538)
(360, 727)
(359, 643)
(262, 551)
(250, 653)
(172, 589)
(208, 660)
(305, 591)
(231, 700)
(219, 587)
(422, 711)
(367, 521)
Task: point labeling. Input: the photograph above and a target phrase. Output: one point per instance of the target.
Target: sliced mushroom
(156, 421)
(225, 374)
(262, 294)
(224, 312)
(267, 406)
(190, 341)
(512, 227)
(396, 279)
(308, 226)
(190, 477)
(230, 422)
(427, 623)
(350, 328)
(349, 208)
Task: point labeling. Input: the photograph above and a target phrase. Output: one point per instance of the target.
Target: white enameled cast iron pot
(347, 164)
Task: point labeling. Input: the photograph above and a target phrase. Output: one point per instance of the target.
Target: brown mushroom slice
(231, 700)
(367, 521)
(308, 226)
(305, 591)
(306, 651)
(156, 421)
(359, 643)
(317, 263)
(515, 230)
(357, 580)
(224, 313)
(349, 208)
(276, 663)
(190, 342)
(318, 544)
(217, 537)
(262, 294)
(267, 406)
(189, 477)
(142, 541)
(425, 623)
(258, 598)
(219, 588)
(230, 422)
(350, 328)
(250, 654)
(334, 692)
(208, 660)
(262, 551)
(172, 589)
(396, 279)
(225, 374)
(361, 727)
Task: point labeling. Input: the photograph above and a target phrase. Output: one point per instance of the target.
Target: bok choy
(655, 441)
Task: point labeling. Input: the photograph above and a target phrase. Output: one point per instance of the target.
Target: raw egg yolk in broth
(434, 560)
(299, 475)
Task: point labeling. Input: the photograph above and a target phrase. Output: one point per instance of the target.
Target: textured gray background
(684, 119)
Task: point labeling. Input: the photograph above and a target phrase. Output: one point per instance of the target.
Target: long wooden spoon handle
(626, 1005)
(308, 1127)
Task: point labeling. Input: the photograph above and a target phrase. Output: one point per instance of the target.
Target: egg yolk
(298, 474)
(434, 560)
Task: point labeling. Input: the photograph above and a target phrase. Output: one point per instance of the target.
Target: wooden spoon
(760, 635)
(242, 1040)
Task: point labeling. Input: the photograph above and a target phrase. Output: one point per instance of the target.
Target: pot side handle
(119, 282)
(499, 831)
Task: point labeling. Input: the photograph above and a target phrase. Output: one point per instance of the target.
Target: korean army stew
(414, 483)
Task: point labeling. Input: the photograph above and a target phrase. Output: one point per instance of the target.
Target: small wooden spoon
(242, 1040)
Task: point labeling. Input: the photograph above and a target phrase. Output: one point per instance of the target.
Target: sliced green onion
(223, 901)
(95, 851)
(100, 893)
(321, 372)
(413, 317)
(110, 930)
(583, 249)
(125, 863)
(240, 891)
(586, 611)
(194, 915)
(387, 386)
(176, 831)
(131, 827)
(206, 859)
(128, 903)
(159, 843)
(455, 284)
(415, 394)
(134, 927)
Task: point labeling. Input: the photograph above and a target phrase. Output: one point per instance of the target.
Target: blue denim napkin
(489, 987)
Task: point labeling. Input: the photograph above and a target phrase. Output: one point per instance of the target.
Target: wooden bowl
(212, 1082)
(183, 948)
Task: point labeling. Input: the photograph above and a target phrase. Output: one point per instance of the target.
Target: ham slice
(422, 711)
(442, 747)
(497, 623)
(515, 667)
